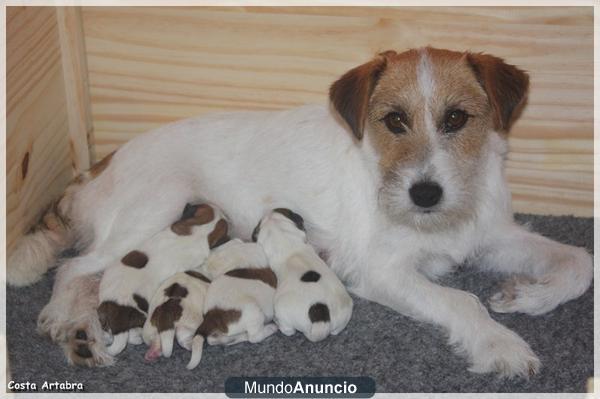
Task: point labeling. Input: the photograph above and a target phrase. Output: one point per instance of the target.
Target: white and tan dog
(239, 302)
(127, 285)
(309, 296)
(398, 181)
(175, 311)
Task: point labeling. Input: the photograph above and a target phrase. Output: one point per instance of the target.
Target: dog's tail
(197, 344)
(38, 250)
(320, 320)
(318, 332)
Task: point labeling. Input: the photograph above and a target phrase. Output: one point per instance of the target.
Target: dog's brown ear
(350, 94)
(219, 235)
(505, 85)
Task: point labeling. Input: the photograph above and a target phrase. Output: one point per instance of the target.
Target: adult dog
(402, 178)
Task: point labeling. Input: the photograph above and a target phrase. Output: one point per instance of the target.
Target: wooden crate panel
(38, 164)
(149, 66)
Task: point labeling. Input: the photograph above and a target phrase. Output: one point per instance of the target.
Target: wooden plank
(74, 64)
(149, 66)
(38, 165)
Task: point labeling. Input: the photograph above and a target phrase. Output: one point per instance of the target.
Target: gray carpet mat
(400, 354)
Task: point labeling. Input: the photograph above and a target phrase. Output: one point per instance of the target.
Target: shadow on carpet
(400, 354)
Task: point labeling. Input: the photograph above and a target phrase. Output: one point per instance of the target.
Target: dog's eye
(454, 120)
(396, 122)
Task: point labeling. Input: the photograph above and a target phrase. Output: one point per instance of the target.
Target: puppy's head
(428, 114)
(279, 232)
(195, 220)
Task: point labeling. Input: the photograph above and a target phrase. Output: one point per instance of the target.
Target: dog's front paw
(84, 348)
(52, 322)
(505, 353)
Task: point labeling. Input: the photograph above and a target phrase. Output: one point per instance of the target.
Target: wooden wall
(47, 120)
(148, 66)
(37, 149)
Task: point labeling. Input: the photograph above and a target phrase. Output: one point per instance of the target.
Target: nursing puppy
(175, 311)
(127, 285)
(401, 179)
(239, 302)
(308, 293)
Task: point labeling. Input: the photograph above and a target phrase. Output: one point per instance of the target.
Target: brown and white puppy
(175, 311)
(239, 302)
(309, 298)
(127, 285)
(400, 179)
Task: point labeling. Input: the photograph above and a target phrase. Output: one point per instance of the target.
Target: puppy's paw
(135, 336)
(288, 331)
(83, 348)
(525, 295)
(505, 353)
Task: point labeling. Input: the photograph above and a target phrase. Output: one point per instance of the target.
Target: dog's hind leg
(262, 333)
(184, 336)
(546, 273)
(111, 243)
(135, 336)
(234, 339)
(82, 337)
(254, 320)
(119, 343)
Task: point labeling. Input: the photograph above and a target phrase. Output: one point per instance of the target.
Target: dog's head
(279, 232)
(428, 114)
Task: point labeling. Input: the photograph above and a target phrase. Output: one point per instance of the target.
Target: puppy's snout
(425, 194)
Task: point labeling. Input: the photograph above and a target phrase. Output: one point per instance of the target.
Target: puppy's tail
(37, 251)
(318, 331)
(197, 344)
(320, 320)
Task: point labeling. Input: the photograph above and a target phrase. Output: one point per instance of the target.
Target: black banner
(299, 387)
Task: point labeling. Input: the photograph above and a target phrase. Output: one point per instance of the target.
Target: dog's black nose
(425, 194)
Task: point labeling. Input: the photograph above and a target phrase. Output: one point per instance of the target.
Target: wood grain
(149, 66)
(38, 164)
(74, 66)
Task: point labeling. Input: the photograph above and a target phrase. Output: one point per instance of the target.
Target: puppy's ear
(219, 235)
(350, 94)
(505, 85)
(189, 211)
(294, 217)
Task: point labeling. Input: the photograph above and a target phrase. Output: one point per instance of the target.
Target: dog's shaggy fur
(400, 180)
